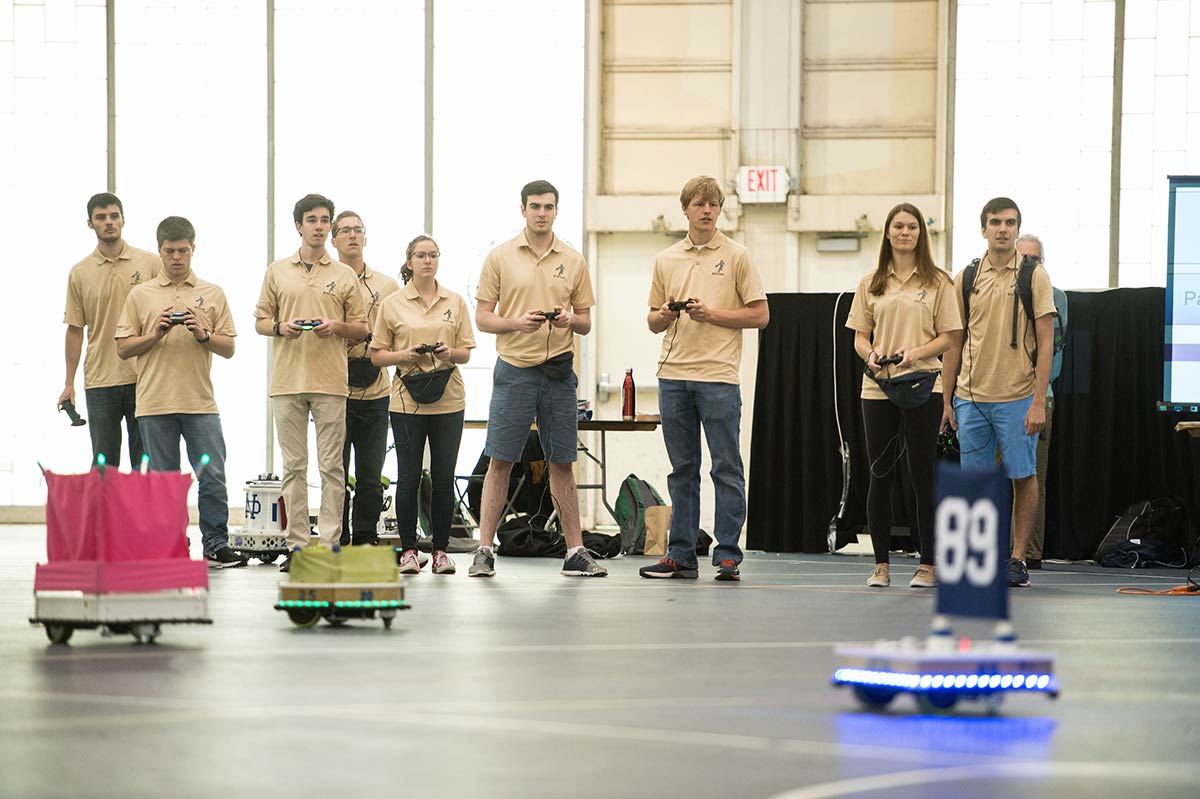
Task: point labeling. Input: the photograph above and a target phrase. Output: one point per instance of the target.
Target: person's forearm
(73, 349)
(134, 346)
(933, 348)
(220, 344)
(951, 359)
(264, 327)
(656, 322)
(752, 316)
(491, 322)
(581, 325)
(1044, 330)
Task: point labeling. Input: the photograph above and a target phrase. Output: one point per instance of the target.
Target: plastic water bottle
(628, 403)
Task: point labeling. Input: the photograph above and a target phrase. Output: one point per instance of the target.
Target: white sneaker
(409, 563)
(442, 563)
(880, 577)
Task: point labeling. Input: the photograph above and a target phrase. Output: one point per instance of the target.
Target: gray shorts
(521, 395)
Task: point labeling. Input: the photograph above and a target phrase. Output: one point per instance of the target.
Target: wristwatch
(276, 328)
(206, 339)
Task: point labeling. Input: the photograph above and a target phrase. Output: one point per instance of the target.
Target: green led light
(204, 459)
(100, 459)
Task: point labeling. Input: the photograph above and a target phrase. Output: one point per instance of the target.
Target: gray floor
(535, 685)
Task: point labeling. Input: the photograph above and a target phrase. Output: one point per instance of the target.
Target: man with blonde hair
(705, 291)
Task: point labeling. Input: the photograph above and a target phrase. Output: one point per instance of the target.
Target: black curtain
(1109, 446)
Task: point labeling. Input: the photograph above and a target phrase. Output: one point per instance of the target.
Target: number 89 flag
(971, 533)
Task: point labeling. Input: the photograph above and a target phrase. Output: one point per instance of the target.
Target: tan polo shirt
(518, 281)
(96, 290)
(721, 274)
(906, 315)
(174, 376)
(309, 364)
(991, 369)
(405, 321)
(375, 288)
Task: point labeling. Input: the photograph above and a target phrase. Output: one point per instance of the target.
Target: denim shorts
(519, 397)
(983, 425)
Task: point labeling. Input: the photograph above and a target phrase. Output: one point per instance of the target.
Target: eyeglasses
(359, 229)
(425, 256)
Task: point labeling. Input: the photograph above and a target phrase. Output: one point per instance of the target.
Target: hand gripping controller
(178, 317)
(427, 348)
(549, 315)
(69, 408)
(888, 361)
(679, 305)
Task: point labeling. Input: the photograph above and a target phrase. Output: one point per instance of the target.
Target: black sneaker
(286, 566)
(727, 571)
(669, 568)
(1018, 575)
(225, 558)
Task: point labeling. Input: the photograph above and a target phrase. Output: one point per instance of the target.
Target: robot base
(138, 614)
(938, 672)
(308, 603)
(264, 546)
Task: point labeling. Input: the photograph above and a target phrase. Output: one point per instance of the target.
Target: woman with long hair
(906, 314)
(424, 330)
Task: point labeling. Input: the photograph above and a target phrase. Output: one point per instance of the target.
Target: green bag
(633, 498)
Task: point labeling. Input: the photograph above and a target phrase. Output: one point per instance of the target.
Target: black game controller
(427, 348)
(308, 324)
(889, 360)
(947, 443)
(178, 317)
(679, 305)
(69, 407)
(549, 315)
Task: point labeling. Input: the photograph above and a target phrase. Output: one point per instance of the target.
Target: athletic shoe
(582, 564)
(484, 564)
(923, 577)
(881, 577)
(727, 571)
(669, 568)
(225, 558)
(442, 564)
(286, 566)
(1018, 575)
(409, 563)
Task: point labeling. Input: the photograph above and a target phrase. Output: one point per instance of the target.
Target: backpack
(1024, 294)
(633, 498)
(1149, 532)
(519, 538)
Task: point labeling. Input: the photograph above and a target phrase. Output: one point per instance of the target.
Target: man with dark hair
(96, 290)
(173, 325)
(698, 376)
(534, 280)
(370, 391)
(994, 395)
(311, 305)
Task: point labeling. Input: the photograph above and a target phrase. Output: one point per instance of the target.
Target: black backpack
(1148, 533)
(1023, 294)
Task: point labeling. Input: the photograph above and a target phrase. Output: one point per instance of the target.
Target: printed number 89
(966, 541)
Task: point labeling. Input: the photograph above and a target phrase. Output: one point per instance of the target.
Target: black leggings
(883, 421)
(410, 431)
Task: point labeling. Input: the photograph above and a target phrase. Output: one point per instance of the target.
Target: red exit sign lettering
(763, 184)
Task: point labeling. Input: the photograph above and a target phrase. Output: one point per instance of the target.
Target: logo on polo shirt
(137, 278)
(448, 316)
(561, 272)
(199, 302)
(720, 268)
(374, 296)
(921, 295)
(330, 286)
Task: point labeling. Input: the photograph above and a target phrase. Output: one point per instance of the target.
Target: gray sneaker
(581, 564)
(484, 564)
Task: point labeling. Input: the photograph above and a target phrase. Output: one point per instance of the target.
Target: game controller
(69, 408)
(679, 305)
(947, 442)
(178, 317)
(308, 324)
(427, 348)
(889, 360)
(549, 315)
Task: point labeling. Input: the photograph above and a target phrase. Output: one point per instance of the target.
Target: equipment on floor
(972, 533)
(341, 584)
(117, 556)
(263, 535)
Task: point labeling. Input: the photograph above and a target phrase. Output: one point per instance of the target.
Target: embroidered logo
(720, 268)
(137, 278)
(448, 316)
(199, 302)
(921, 295)
(330, 286)
(561, 272)
(374, 296)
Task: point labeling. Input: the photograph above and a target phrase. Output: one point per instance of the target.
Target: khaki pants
(291, 426)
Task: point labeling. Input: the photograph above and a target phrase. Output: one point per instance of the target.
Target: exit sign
(763, 184)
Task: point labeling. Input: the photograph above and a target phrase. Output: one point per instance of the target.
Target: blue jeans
(106, 407)
(366, 433)
(686, 406)
(202, 434)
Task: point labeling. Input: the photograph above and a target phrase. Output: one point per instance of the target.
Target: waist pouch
(907, 391)
(361, 373)
(426, 387)
(558, 367)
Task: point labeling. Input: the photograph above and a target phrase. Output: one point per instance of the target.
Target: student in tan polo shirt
(698, 376)
(905, 309)
(370, 389)
(96, 292)
(312, 306)
(521, 281)
(173, 325)
(999, 397)
(425, 313)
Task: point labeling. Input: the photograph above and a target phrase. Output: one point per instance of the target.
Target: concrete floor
(535, 685)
